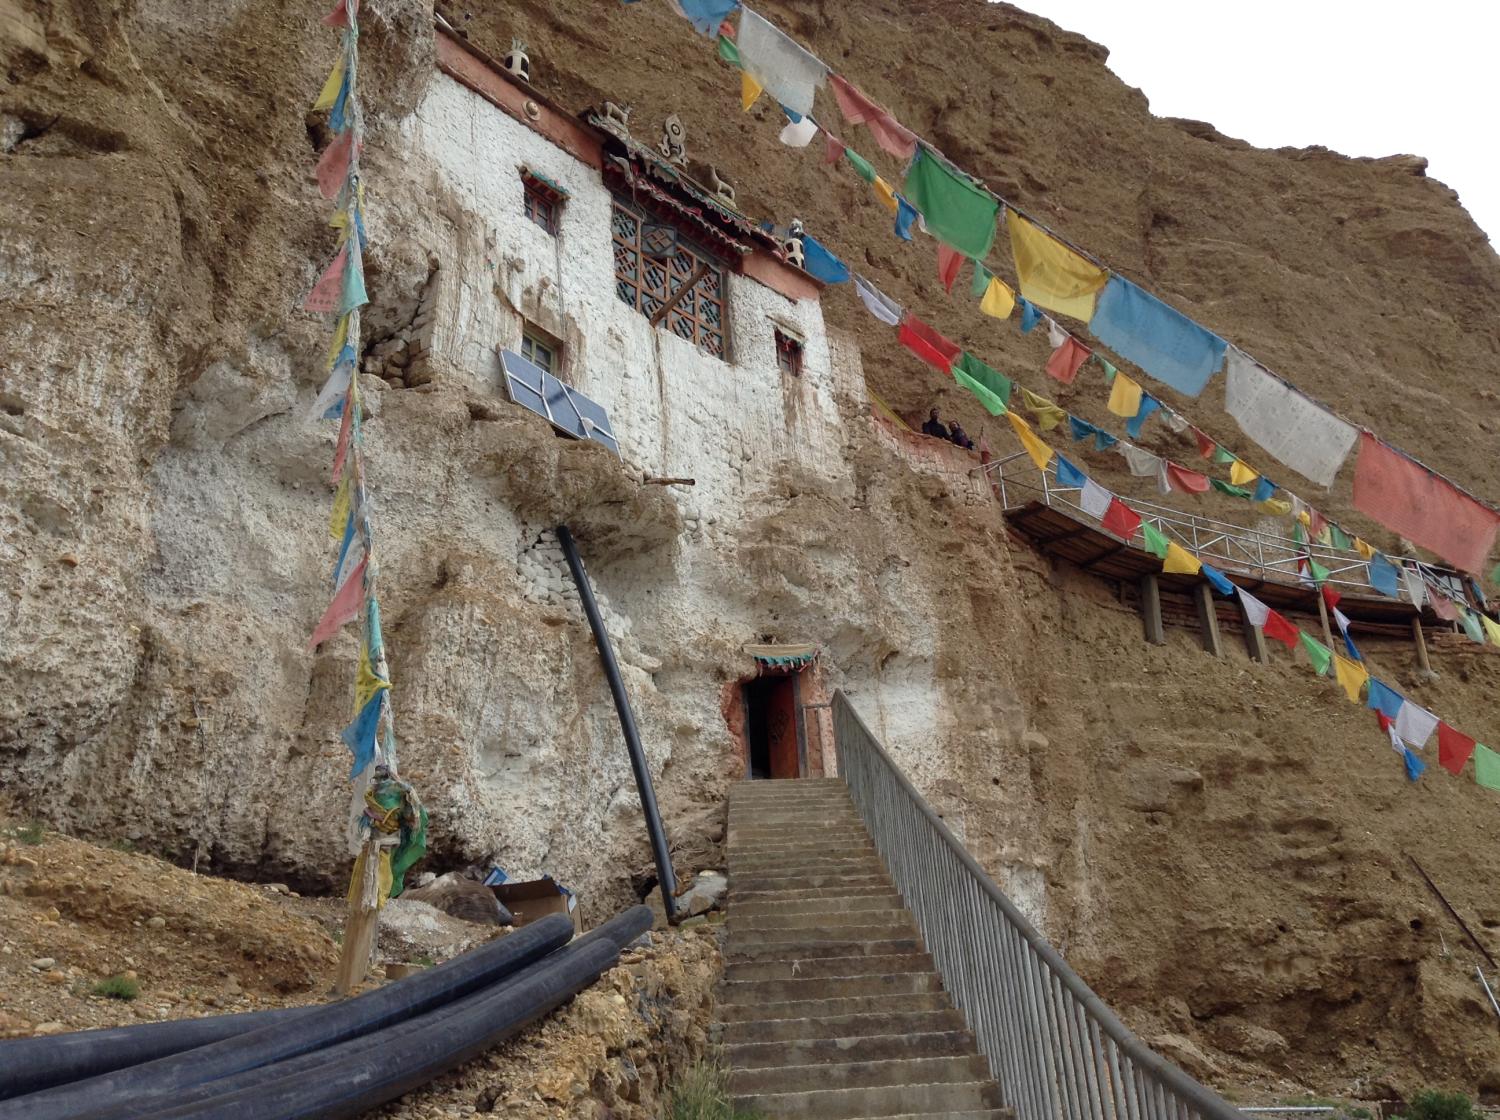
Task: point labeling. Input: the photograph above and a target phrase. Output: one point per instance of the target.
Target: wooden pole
(1323, 615)
(1151, 610)
(1421, 640)
(359, 927)
(1255, 640)
(1208, 618)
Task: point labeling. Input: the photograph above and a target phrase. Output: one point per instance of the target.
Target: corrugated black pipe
(654, 829)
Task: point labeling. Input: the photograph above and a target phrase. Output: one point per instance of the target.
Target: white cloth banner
(1414, 585)
(1095, 500)
(1055, 335)
(876, 302)
(1142, 463)
(1415, 724)
(786, 71)
(1289, 427)
(1174, 420)
(1256, 612)
(1163, 482)
(799, 134)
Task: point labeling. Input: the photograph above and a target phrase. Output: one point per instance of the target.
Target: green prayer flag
(1339, 538)
(1156, 540)
(1222, 456)
(728, 51)
(1297, 534)
(1319, 573)
(862, 167)
(981, 280)
(991, 402)
(1495, 575)
(997, 383)
(1229, 488)
(1471, 624)
(955, 208)
(1109, 370)
(1486, 767)
(1319, 654)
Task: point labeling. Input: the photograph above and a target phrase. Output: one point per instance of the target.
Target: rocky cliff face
(1218, 846)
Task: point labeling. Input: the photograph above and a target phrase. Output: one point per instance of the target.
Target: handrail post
(654, 829)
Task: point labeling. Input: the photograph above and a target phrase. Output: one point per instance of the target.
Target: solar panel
(566, 409)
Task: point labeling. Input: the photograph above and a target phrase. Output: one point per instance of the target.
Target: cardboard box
(536, 898)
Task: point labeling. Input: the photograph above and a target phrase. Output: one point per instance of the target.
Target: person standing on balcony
(961, 437)
(935, 427)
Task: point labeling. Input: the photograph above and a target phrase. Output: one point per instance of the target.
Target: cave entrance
(773, 732)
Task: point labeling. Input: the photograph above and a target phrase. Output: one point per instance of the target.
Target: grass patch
(121, 845)
(118, 987)
(703, 1094)
(31, 833)
(1432, 1104)
(425, 961)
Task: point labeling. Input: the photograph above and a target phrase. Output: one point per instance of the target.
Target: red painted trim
(763, 267)
(497, 87)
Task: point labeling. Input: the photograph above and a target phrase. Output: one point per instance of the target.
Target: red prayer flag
(343, 608)
(1190, 482)
(1121, 520)
(927, 344)
(1423, 507)
(1066, 359)
(950, 260)
(1279, 628)
(1454, 748)
(339, 17)
(333, 166)
(833, 148)
(889, 133)
(1331, 597)
(346, 427)
(1206, 446)
(1442, 606)
(330, 286)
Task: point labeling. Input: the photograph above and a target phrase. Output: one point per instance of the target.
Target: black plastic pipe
(29, 1065)
(158, 1081)
(654, 829)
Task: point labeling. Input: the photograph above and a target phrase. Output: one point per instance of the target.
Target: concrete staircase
(830, 1006)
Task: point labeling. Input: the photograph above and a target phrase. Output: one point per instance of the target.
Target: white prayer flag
(1415, 724)
(1289, 427)
(799, 134)
(876, 302)
(1142, 463)
(1256, 612)
(1055, 335)
(1095, 500)
(1414, 585)
(1163, 482)
(783, 68)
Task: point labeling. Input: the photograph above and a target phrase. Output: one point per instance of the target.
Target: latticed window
(666, 279)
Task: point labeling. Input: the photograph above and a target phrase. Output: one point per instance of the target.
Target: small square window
(542, 200)
(788, 353)
(541, 349)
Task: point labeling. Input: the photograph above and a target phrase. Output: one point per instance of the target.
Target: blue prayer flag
(344, 547)
(1149, 404)
(374, 639)
(1264, 488)
(1068, 474)
(906, 215)
(820, 263)
(1160, 339)
(1081, 429)
(1218, 579)
(1103, 441)
(1414, 765)
(706, 15)
(1384, 699)
(794, 117)
(359, 736)
(340, 118)
(1384, 577)
(1031, 315)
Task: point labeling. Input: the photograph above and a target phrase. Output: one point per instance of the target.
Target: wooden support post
(1323, 614)
(1421, 640)
(1208, 618)
(1255, 641)
(1151, 610)
(359, 930)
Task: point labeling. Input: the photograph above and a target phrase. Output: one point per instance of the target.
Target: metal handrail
(1056, 1050)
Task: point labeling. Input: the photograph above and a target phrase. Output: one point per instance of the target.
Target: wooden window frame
(541, 203)
(790, 349)
(536, 337)
(686, 290)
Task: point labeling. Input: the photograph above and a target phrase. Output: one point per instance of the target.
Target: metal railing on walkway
(1265, 555)
(1057, 1051)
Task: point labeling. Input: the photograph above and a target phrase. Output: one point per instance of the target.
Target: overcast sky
(1365, 79)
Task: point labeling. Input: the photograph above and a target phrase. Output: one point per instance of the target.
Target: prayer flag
(1048, 415)
(1454, 749)
(1241, 475)
(1056, 336)
(1142, 463)
(862, 167)
(342, 608)
(1219, 580)
(1414, 765)
(1486, 767)
(1103, 441)
(833, 149)
(1264, 488)
(979, 282)
(750, 89)
(1080, 429)
(1163, 483)
(1415, 724)
(1066, 359)
(1030, 314)
(957, 210)
(1319, 654)
(820, 264)
(1319, 573)
(1423, 507)
(1125, 396)
(1189, 482)
(1109, 370)
(1351, 675)
(997, 383)
(367, 682)
(342, 501)
(1180, 561)
(1068, 474)
(949, 261)
(889, 133)
(1383, 577)
(330, 92)
(1121, 520)
(1095, 499)
(906, 214)
(1279, 628)
(798, 132)
(779, 64)
(341, 446)
(1040, 453)
(886, 195)
(1338, 537)
(1051, 274)
(1469, 620)
(1206, 446)
(1149, 404)
(348, 555)
(333, 164)
(359, 736)
(1385, 699)
(877, 303)
(999, 300)
(1287, 425)
(729, 52)
(1364, 548)
(1157, 337)
(1491, 629)
(343, 14)
(1415, 588)
(927, 343)
(1443, 607)
(353, 293)
(1156, 541)
(992, 403)
(1223, 456)
(707, 15)
(327, 292)
(1256, 612)
(1276, 507)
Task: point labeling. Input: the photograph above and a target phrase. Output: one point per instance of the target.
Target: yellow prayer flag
(1305, 518)
(1491, 629)
(1364, 548)
(886, 195)
(749, 90)
(340, 336)
(339, 516)
(1048, 415)
(999, 300)
(1241, 475)
(1051, 275)
(1276, 506)
(1180, 561)
(1124, 396)
(330, 91)
(366, 682)
(1040, 453)
(1351, 674)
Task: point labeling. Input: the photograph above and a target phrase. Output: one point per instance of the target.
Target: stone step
(744, 882)
(744, 993)
(903, 1022)
(783, 802)
(824, 904)
(755, 950)
(828, 966)
(778, 789)
(883, 1100)
(869, 1048)
(841, 848)
(809, 863)
(828, 919)
(949, 1114)
(827, 1008)
(859, 1075)
(813, 894)
(794, 941)
(805, 834)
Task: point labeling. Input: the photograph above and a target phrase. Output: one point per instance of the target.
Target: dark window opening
(771, 727)
(667, 280)
(542, 201)
(788, 353)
